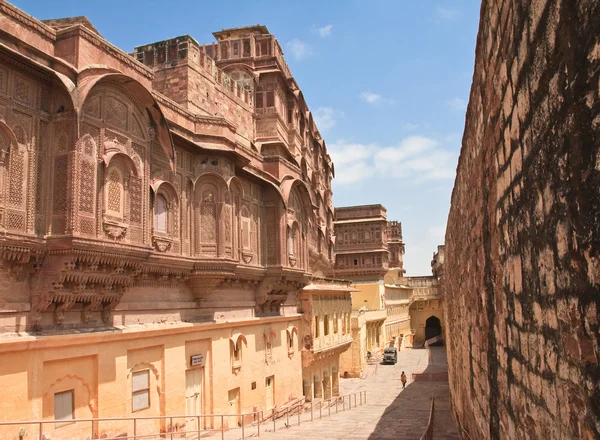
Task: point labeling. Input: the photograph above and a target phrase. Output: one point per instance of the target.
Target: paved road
(390, 412)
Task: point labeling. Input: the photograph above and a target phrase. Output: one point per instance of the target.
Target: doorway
(433, 327)
(193, 399)
(234, 408)
(270, 392)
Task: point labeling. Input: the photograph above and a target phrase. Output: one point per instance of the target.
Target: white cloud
(457, 104)
(325, 31)
(326, 117)
(374, 98)
(343, 153)
(418, 158)
(446, 14)
(299, 49)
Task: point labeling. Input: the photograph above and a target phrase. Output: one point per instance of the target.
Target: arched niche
(14, 161)
(114, 118)
(164, 212)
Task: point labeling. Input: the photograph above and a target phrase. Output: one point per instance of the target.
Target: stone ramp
(444, 427)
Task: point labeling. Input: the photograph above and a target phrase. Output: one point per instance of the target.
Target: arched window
(160, 214)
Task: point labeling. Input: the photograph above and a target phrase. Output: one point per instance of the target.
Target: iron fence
(179, 427)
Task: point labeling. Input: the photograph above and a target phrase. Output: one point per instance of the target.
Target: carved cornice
(26, 20)
(79, 30)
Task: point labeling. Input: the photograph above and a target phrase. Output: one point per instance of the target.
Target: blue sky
(387, 80)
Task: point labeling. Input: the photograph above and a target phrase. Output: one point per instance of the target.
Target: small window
(140, 387)
(317, 327)
(63, 407)
(270, 99)
(356, 262)
(236, 355)
(326, 325)
(268, 346)
(160, 214)
(335, 324)
(253, 385)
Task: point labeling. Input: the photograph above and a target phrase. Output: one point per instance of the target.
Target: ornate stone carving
(272, 292)
(206, 278)
(115, 230)
(247, 257)
(162, 243)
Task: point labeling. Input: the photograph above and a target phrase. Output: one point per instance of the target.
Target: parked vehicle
(390, 355)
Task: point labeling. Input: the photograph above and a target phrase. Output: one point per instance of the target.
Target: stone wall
(523, 238)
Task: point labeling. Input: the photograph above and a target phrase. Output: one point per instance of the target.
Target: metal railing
(428, 435)
(230, 426)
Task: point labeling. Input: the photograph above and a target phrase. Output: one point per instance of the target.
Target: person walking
(403, 379)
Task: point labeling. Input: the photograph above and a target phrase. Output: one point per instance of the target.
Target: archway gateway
(433, 327)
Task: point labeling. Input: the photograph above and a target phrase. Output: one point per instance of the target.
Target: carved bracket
(247, 257)
(161, 243)
(271, 293)
(115, 230)
(70, 278)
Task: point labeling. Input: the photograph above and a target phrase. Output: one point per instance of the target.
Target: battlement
(394, 230)
(185, 50)
(361, 212)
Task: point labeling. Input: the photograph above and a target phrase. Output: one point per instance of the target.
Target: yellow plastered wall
(98, 367)
(418, 318)
(368, 295)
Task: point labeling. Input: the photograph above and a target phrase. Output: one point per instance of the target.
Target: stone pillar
(335, 381)
(307, 389)
(326, 385)
(318, 387)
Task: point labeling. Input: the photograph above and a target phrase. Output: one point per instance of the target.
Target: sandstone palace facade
(166, 229)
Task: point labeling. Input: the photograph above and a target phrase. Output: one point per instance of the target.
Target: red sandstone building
(167, 225)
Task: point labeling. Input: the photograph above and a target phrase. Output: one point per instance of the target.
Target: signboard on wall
(197, 360)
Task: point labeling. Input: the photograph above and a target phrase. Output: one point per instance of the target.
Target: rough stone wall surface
(523, 239)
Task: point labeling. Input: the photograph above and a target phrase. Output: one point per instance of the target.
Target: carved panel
(16, 220)
(227, 223)
(60, 185)
(17, 177)
(87, 226)
(87, 189)
(135, 191)
(20, 134)
(92, 107)
(115, 191)
(23, 91)
(115, 112)
(208, 223)
(61, 142)
(3, 81)
(136, 127)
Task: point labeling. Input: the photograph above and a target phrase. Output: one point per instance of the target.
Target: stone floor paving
(391, 412)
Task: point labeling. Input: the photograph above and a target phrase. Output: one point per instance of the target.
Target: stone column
(307, 389)
(335, 380)
(326, 385)
(317, 386)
